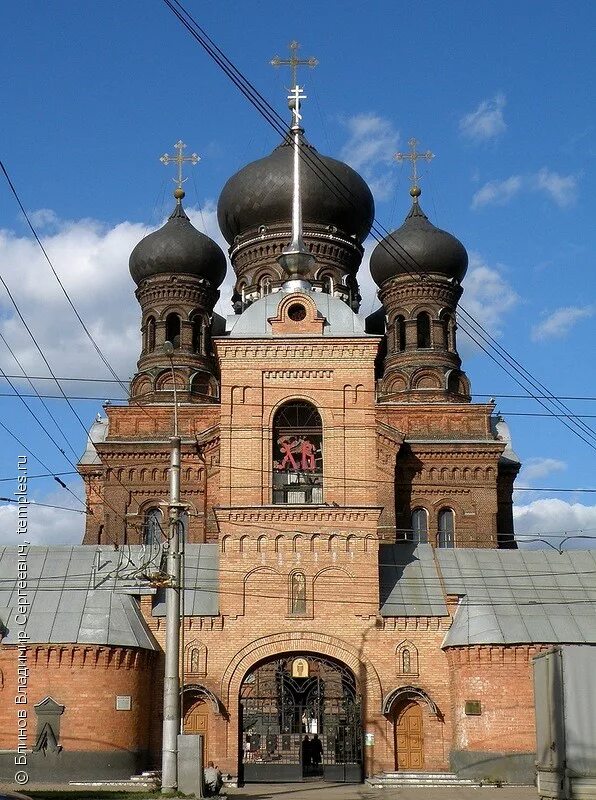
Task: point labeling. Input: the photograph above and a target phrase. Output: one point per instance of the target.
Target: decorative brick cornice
(87, 655)
(332, 348)
(272, 515)
(298, 374)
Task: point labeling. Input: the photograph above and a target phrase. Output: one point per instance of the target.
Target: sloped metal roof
(507, 596)
(201, 582)
(521, 596)
(409, 581)
(86, 594)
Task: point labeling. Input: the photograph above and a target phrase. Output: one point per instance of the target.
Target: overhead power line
(96, 347)
(475, 330)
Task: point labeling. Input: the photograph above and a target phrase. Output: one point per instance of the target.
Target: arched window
(423, 329)
(297, 456)
(265, 285)
(153, 533)
(446, 528)
(419, 532)
(298, 593)
(406, 665)
(173, 329)
(400, 333)
(150, 340)
(407, 658)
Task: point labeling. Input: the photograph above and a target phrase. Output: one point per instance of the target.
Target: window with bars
(297, 457)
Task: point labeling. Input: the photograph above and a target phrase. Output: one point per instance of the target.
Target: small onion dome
(178, 248)
(260, 193)
(418, 247)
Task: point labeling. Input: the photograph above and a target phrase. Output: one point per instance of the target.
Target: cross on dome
(293, 62)
(294, 104)
(414, 156)
(179, 160)
(296, 91)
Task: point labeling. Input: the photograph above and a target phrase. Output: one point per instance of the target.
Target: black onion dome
(178, 248)
(261, 194)
(418, 247)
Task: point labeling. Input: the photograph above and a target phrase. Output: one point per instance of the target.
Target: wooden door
(409, 739)
(196, 720)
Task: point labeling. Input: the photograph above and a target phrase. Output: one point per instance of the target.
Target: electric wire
(96, 347)
(37, 394)
(277, 122)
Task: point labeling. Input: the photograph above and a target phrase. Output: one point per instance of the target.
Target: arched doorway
(300, 718)
(196, 720)
(409, 736)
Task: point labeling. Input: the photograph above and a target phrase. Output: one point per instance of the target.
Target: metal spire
(414, 156)
(179, 160)
(295, 258)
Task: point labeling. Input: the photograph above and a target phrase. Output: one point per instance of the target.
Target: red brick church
(351, 576)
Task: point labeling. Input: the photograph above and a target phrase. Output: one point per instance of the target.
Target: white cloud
(45, 525)
(534, 468)
(486, 122)
(560, 322)
(560, 188)
(488, 297)
(370, 150)
(553, 520)
(497, 192)
(92, 261)
(43, 218)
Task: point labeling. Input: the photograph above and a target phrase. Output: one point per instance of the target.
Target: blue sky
(93, 93)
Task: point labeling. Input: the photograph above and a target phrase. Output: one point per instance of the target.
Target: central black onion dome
(178, 248)
(418, 247)
(260, 194)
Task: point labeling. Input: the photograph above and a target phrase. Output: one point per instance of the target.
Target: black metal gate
(300, 719)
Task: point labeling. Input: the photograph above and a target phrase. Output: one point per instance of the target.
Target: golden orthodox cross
(293, 62)
(414, 156)
(179, 159)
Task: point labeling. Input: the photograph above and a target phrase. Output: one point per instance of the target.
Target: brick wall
(86, 680)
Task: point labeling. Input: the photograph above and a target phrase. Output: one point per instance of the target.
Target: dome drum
(415, 384)
(154, 385)
(162, 291)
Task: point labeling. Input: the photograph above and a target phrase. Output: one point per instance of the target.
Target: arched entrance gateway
(300, 718)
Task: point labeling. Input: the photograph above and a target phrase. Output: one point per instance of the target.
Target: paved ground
(327, 791)
(313, 791)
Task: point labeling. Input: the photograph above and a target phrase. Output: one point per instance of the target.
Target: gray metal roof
(507, 596)
(97, 433)
(409, 582)
(521, 596)
(340, 320)
(86, 594)
(201, 570)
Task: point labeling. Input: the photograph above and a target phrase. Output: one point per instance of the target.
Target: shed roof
(507, 596)
(86, 594)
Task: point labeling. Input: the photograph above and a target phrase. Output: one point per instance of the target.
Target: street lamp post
(171, 688)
